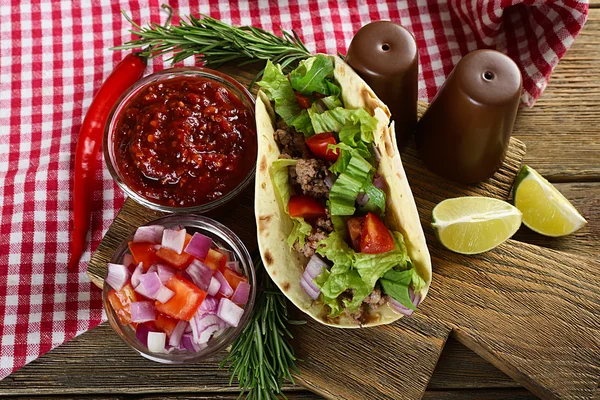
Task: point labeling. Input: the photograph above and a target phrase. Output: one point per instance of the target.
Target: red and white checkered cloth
(54, 56)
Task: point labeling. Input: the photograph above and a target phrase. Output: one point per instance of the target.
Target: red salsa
(185, 141)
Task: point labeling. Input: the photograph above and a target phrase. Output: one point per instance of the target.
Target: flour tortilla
(284, 264)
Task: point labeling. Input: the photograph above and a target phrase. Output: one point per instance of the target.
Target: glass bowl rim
(240, 90)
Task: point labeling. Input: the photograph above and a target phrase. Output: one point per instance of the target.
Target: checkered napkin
(54, 56)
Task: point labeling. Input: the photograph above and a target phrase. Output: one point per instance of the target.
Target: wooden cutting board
(532, 312)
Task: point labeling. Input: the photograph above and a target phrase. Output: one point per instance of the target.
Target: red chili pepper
(126, 73)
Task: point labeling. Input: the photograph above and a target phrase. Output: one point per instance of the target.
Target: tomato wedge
(355, 225)
(165, 323)
(303, 101)
(121, 302)
(179, 261)
(233, 278)
(144, 253)
(216, 260)
(184, 304)
(318, 145)
(375, 237)
(305, 207)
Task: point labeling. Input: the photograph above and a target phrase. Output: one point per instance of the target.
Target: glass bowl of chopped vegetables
(180, 289)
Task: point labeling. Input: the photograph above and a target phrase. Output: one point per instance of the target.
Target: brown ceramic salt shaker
(465, 132)
(385, 55)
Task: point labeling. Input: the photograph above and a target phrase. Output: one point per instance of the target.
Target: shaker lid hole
(488, 75)
(385, 47)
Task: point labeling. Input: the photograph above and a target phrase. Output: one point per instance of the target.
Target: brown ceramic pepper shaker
(385, 55)
(465, 132)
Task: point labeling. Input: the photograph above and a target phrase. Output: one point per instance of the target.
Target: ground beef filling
(322, 227)
(310, 176)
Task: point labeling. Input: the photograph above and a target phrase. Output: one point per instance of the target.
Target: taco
(338, 229)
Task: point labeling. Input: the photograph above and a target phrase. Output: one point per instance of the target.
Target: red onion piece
(174, 240)
(127, 259)
(118, 276)
(150, 234)
(142, 311)
(164, 273)
(208, 306)
(164, 294)
(416, 299)
(214, 286)
(234, 266)
(156, 342)
(240, 296)
(135, 277)
(226, 290)
(314, 294)
(362, 199)
(315, 267)
(310, 282)
(229, 312)
(376, 152)
(330, 180)
(200, 322)
(153, 268)
(149, 285)
(379, 182)
(206, 334)
(228, 253)
(187, 340)
(177, 333)
(141, 333)
(199, 245)
(200, 274)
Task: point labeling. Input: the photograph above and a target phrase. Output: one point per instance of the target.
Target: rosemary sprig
(214, 42)
(261, 357)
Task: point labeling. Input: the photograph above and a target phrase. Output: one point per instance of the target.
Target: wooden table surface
(562, 134)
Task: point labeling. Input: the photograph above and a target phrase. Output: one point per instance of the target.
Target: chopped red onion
(153, 268)
(240, 296)
(164, 273)
(135, 277)
(142, 311)
(376, 152)
(234, 266)
(226, 290)
(330, 179)
(156, 342)
(174, 240)
(314, 294)
(214, 286)
(187, 340)
(379, 182)
(200, 274)
(221, 331)
(164, 294)
(208, 306)
(141, 333)
(149, 285)
(311, 282)
(200, 322)
(150, 234)
(127, 259)
(118, 276)
(362, 199)
(188, 328)
(177, 333)
(228, 253)
(229, 312)
(199, 245)
(206, 334)
(315, 267)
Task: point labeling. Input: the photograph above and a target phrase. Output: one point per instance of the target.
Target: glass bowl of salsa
(182, 140)
(189, 324)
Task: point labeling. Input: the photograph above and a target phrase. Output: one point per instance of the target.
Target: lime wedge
(545, 210)
(472, 225)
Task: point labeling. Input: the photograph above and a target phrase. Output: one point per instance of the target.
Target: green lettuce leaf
(371, 267)
(311, 75)
(336, 250)
(417, 282)
(356, 174)
(376, 203)
(395, 284)
(349, 123)
(278, 88)
(280, 179)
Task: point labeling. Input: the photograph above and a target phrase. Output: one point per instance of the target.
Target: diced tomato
(143, 253)
(317, 95)
(303, 101)
(319, 146)
(216, 260)
(355, 225)
(121, 302)
(375, 237)
(305, 207)
(184, 304)
(179, 261)
(233, 278)
(165, 323)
